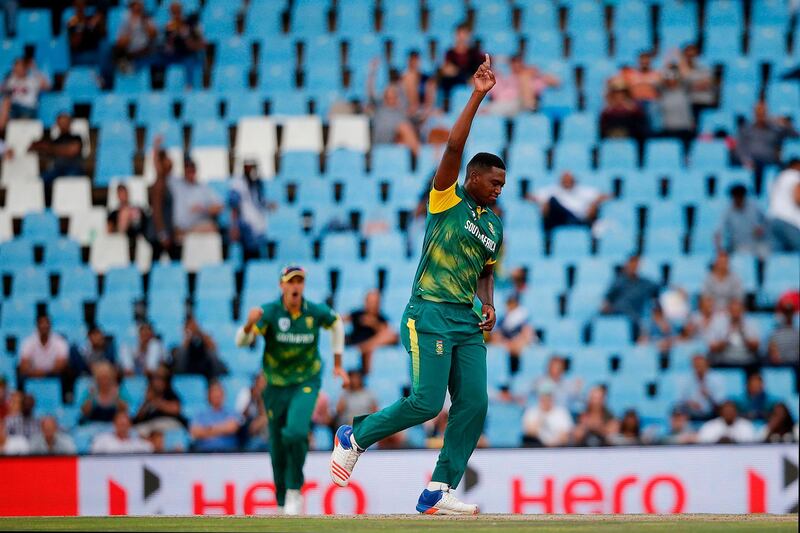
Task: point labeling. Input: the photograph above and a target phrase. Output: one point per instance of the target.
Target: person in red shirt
(460, 61)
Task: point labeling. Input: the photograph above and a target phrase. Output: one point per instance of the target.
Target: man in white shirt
(546, 424)
(727, 428)
(43, 353)
(12, 444)
(784, 209)
(121, 440)
(734, 338)
(702, 392)
(249, 205)
(567, 203)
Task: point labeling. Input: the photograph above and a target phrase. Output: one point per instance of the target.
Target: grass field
(401, 523)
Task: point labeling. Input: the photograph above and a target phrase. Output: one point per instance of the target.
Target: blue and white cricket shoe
(443, 502)
(344, 456)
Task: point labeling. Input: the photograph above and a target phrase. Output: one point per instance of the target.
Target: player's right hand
(483, 79)
(254, 315)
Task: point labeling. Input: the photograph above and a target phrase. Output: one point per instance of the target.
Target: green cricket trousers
(289, 411)
(447, 352)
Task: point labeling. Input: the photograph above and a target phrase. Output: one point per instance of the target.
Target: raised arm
(447, 173)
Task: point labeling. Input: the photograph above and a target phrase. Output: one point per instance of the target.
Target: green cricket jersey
(291, 351)
(461, 238)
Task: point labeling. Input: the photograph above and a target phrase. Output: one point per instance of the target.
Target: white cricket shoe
(443, 502)
(294, 503)
(344, 456)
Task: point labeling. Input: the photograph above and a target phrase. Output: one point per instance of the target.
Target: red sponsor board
(31, 486)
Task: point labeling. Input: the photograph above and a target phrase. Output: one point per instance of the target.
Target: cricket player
(292, 365)
(441, 331)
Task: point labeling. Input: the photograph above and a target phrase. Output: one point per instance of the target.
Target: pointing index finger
(487, 61)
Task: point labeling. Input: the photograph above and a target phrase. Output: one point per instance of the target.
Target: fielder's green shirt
(291, 350)
(461, 238)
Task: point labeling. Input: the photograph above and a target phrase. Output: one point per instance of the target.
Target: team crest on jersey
(491, 227)
(439, 347)
(309, 322)
(284, 323)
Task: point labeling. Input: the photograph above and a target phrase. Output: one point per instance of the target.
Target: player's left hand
(341, 373)
(489, 318)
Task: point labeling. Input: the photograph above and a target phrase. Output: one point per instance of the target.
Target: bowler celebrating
(290, 326)
(440, 329)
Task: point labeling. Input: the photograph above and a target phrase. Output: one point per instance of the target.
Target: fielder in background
(292, 365)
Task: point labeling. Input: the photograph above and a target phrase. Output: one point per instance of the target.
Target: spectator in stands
(514, 332)
(702, 392)
(184, 42)
(519, 281)
(743, 228)
(62, 155)
(20, 91)
(43, 353)
(675, 107)
(596, 424)
(146, 355)
(700, 78)
(12, 444)
(699, 324)
(24, 422)
(680, 428)
(355, 399)
(161, 231)
(629, 432)
(658, 330)
(254, 432)
(157, 441)
(3, 396)
(136, 39)
(629, 293)
(568, 203)
(722, 284)
(784, 209)
(127, 218)
(104, 396)
(87, 35)
(390, 124)
(642, 80)
(195, 205)
(418, 94)
(161, 408)
(780, 425)
(95, 349)
(519, 89)
(121, 439)
(215, 429)
(323, 415)
(566, 392)
(546, 424)
(755, 404)
(51, 441)
(734, 339)
(197, 353)
(249, 206)
(622, 116)
(783, 346)
(9, 8)
(370, 329)
(460, 61)
(759, 142)
(729, 427)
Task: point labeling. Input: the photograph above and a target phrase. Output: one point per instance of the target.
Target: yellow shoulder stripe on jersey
(441, 201)
(491, 261)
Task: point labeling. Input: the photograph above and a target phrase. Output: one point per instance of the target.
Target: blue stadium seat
(503, 428)
(549, 272)
(134, 83)
(579, 128)
(678, 14)
(218, 21)
(211, 310)
(444, 16)
(769, 12)
(501, 43)
(717, 44)
(294, 165)
(200, 106)
(780, 382)
(739, 97)
(153, 108)
(522, 246)
(109, 108)
(677, 36)
(584, 16)
(78, 283)
(663, 155)
(563, 334)
(593, 271)
(543, 302)
(588, 46)
(767, 43)
(216, 280)
(18, 317)
(559, 102)
(493, 16)
(233, 51)
(526, 159)
(31, 282)
(243, 104)
(390, 160)
(112, 162)
(67, 316)
(589, 365)
(340, 247)
(387, 245)
(263, 18)
(171, 134)
(46, 392)
(537, 16)
(292, 249)
(631, 40)
(123, 281)
(52, 55)
(689, 273)
(209, 133)
(169, 277)
(191, 389)
(611, 331)
(584, 301)
(15, 255)
(230, 78)
(355, 17)
(51, 104)
(309, 19)
(572, 156)
(712, 120)
(118, 134)
(40, 227)
(534, 128)
(783, 97)
(81, 84)
(34, 23)
(689, 187)
(726, 14)
(711, 155)
(61, 254)
(663, 243)
(617, 154)
(288, 103)
(543, 45)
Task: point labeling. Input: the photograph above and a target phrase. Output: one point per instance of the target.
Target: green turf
(486, 523)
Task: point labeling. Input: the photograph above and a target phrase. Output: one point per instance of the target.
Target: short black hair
(737, 189)
(484, 161)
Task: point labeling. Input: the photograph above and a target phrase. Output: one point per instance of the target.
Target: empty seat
(40, 227)
(72, 195)
(170, 278)
(200, 249)
(78, 283)
(216, 281)
(212, 163)
(611, 331)
(24, 197)
(85, 226)
(255, 136)
(302, 134)
(109, 251)
(32, 283)
(571, 242)
(349, 131)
